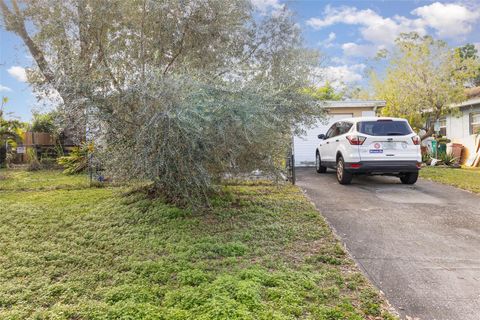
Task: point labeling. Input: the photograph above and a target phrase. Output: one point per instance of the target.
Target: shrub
(76, 161)
(447, 158)
(33, 163)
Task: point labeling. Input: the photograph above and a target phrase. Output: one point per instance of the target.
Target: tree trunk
(428, 134)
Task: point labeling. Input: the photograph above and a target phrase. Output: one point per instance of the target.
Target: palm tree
(8, 130)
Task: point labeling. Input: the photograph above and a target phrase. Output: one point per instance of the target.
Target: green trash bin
(442, 148)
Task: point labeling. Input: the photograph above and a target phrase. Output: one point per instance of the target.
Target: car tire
(343, 176)
(318, 164)
(409, 177)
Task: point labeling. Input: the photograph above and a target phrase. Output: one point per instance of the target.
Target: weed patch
(68, 251)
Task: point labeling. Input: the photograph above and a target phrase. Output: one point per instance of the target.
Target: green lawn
(464, 178)
(68, 251)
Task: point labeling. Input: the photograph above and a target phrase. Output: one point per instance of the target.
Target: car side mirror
(321, 136)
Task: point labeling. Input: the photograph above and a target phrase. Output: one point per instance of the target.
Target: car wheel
(343, 176)
(409, 177)
(318, 164)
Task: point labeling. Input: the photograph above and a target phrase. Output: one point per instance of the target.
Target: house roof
(473, 97)
(355, 104)
(473, 92)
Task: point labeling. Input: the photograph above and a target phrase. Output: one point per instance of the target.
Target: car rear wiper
(394, 134)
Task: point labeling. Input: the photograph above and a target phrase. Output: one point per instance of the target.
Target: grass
(68, 251)
(464, 178)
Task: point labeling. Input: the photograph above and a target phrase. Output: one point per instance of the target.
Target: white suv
(370, 145)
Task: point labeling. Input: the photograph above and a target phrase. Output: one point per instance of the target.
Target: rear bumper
(379, 167)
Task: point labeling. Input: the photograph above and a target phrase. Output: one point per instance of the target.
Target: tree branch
(179, 50)
(16, 23)
(101, 56)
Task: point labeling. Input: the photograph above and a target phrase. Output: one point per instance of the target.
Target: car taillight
(416, 140)
(356, 140)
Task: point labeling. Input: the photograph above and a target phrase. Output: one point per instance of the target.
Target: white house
(464, 126)
(304, 146)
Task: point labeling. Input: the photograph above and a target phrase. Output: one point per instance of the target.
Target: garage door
(304, 146)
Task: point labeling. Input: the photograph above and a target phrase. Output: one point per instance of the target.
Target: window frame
(330, 130)
(361, 130)
(443, 128)
(471, 124)
(348, 124)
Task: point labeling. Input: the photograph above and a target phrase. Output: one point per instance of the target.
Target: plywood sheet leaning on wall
(474, 156)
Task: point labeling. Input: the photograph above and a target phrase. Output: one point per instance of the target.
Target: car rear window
(384, 128)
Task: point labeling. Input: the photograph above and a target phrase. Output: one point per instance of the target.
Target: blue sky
(348, 33)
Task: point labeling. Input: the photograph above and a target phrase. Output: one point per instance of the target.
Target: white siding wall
(458, 127)
(304, 146)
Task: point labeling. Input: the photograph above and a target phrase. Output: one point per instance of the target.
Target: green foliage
(33, 162)
(427, 157)
(192, 277)
(9, 132)
(76, 161)
(74, 252)
(423, 78)
(443, 140)
(447, 158)
(44, 122)
(325, 93)
(469, 51)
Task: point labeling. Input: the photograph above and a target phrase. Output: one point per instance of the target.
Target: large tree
(424, 77)
(179, 92)
(469, 51)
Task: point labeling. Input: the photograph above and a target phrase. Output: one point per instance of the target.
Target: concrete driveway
(419, 244)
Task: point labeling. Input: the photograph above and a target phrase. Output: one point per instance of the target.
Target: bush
(447, 158)
(76, 161)
(187, 136)
(33, 163)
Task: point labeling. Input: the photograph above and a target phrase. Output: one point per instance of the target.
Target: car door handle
(337, 140)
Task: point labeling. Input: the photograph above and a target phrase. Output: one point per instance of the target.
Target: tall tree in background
(469, 51)
(179, 92)
(424, 77)
(323, 93)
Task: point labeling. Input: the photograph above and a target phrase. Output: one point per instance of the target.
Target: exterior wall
(458, 128)
(355, 112)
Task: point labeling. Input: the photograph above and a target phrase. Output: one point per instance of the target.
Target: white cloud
(329, 41)
(344, 14)
(338, 60)
(374, 28)
(265, 5)
(4, 89)
(339, 76)
(477, 46)
(360, 50)
(18, 73)
(449, 20)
